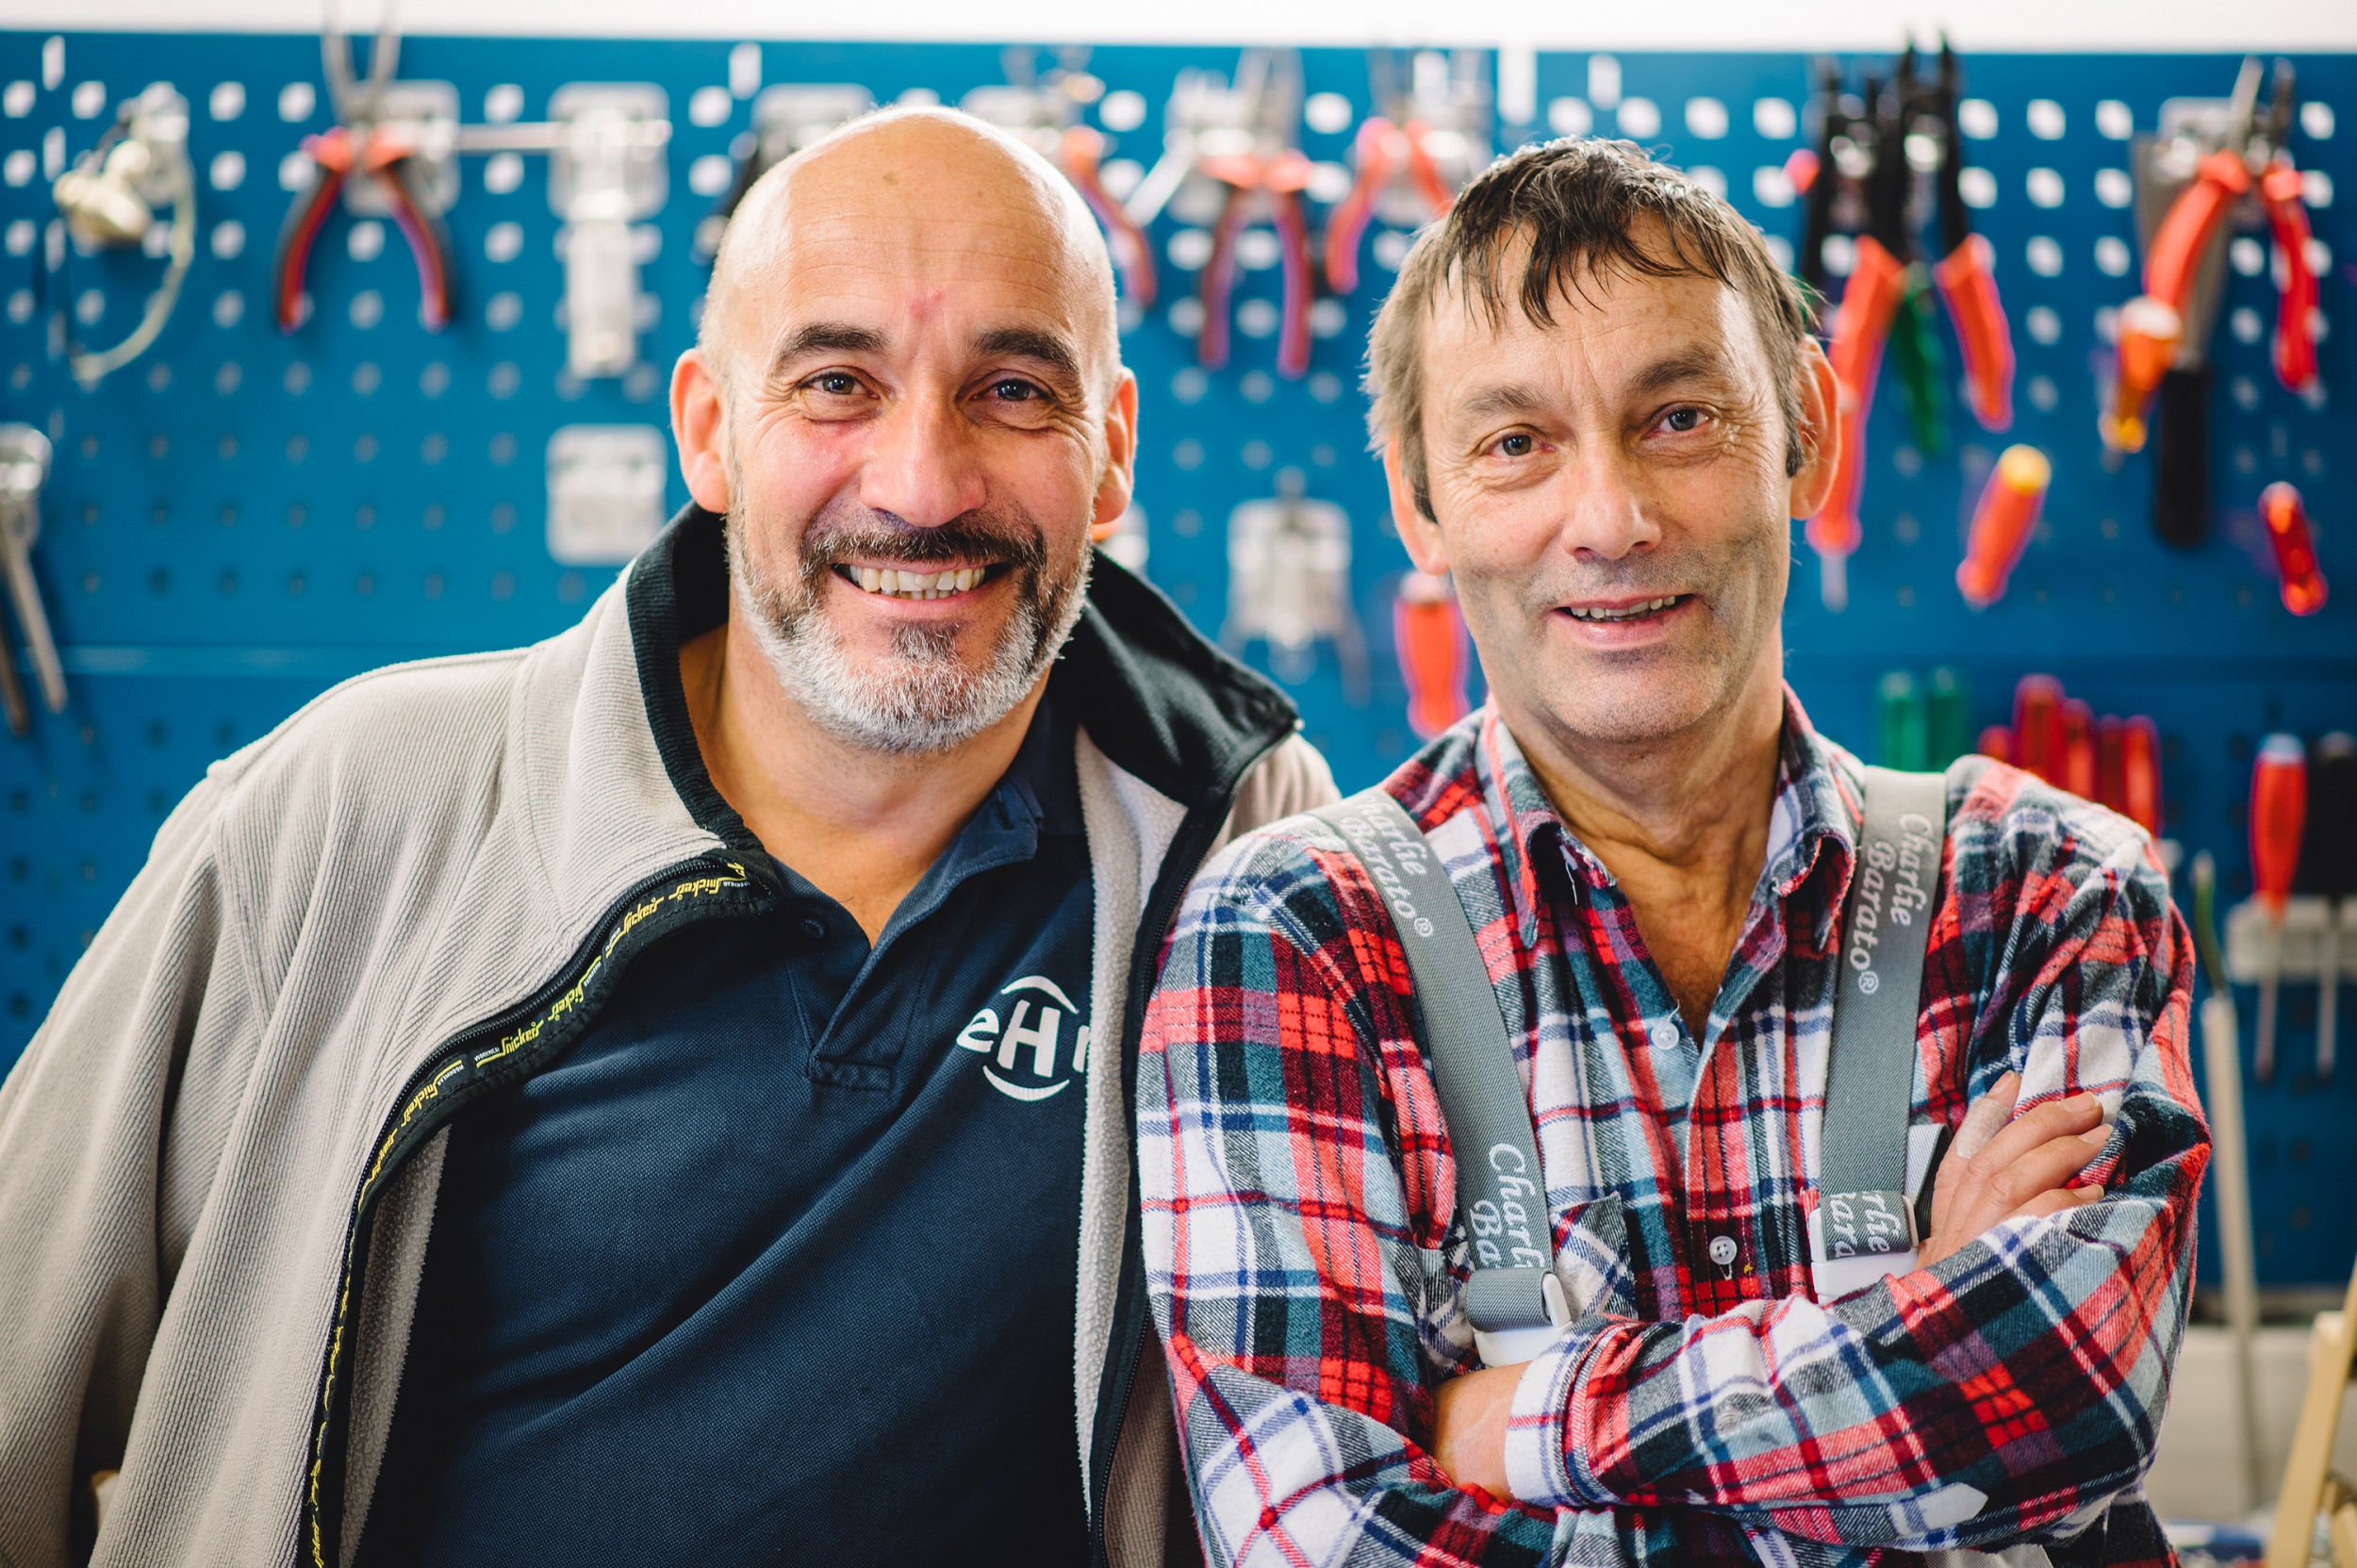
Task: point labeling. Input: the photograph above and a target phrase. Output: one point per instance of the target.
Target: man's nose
(923, 464)
(1606, 514)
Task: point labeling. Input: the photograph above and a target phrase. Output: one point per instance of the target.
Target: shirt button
(813, 928)
(1665, 1034)
(1723, 1250)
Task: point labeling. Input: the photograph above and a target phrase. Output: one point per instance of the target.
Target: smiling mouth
(1626, 612)
(904, 583)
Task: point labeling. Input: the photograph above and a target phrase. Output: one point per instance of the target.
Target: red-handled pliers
(1082, 153)
(360, 143)
(2152, 325)
(1279, 178)
(1380, 151)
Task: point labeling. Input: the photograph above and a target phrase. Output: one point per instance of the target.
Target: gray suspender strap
(1513, 1298)
(1864, 1226)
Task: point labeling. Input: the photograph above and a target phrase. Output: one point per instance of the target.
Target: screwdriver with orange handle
(2295, 548)
(1430, 636)
(2002, 520)
(2279, 813)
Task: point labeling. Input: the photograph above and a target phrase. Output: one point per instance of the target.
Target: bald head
(930, 196)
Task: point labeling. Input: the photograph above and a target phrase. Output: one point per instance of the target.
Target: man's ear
(1119, 481)
(699, 425)
(1820, 434)
(1420, 533)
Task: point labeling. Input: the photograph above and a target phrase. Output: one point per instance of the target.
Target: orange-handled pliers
(359, 144)
(2152, 325)
(1861, 326)
(1966, 274)
(1380, 151)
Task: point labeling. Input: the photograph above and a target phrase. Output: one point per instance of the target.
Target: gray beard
(922, 698)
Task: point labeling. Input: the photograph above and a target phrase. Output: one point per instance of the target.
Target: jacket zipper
(503, 1049)
(1147, 946)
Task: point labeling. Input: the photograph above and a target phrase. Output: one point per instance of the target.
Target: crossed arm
(1294, 1169)
(1999, 1168)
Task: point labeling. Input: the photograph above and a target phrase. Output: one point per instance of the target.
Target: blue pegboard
(238, 518)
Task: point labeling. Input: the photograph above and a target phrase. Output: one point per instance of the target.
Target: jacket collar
(1155, 697)
(1814, 820)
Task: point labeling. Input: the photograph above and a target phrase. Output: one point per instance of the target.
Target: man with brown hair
(1599, 407)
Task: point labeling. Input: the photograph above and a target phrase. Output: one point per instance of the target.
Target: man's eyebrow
(1685, 365)
(1501, 398)
(827, 337)
(1022, 342)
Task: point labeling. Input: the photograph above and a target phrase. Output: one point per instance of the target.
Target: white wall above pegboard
(1710, 25)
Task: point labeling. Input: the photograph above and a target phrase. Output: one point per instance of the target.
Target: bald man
(661, 1096)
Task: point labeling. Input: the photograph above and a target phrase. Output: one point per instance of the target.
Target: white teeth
(1648, 607)
(899, 584)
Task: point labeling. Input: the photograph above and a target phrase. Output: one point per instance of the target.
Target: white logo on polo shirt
(1030, 1063)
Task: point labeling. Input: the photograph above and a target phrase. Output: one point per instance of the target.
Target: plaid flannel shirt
(1307, 1263)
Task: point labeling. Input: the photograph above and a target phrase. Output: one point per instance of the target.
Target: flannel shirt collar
(1814, 823)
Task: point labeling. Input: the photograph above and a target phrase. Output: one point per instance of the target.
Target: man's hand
(1995, 1171)
(1469, 1427)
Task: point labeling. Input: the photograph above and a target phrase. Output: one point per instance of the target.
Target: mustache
(974, 538)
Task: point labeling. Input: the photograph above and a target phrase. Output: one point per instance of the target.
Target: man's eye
(835, 384)
(1684, 420)
(1519, 444)
(1015, 391)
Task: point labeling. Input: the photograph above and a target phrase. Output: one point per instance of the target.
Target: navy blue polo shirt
(778, 1264)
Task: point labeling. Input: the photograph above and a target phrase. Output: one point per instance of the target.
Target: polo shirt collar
(1814, 821)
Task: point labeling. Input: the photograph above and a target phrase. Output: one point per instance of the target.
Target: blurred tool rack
(237, 519)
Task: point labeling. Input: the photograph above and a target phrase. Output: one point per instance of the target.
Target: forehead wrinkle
(933, 196)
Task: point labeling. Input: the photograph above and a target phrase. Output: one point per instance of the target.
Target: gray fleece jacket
(218, 1156)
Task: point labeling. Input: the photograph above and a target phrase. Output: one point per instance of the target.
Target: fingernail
(2083, 1102)
(2097, 1135)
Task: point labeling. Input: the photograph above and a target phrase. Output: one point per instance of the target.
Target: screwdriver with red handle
(2141, 774)
(2279, 813)
(1430, 636)
(2038, 727)
(2294, 548)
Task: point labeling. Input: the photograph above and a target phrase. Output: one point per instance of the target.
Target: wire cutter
(2251, 160)
(1429, 131)
(1269, 170)
(360, 143)
(1861, 326)
(1081, 153)
(1884, 282)
(1966, 271)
